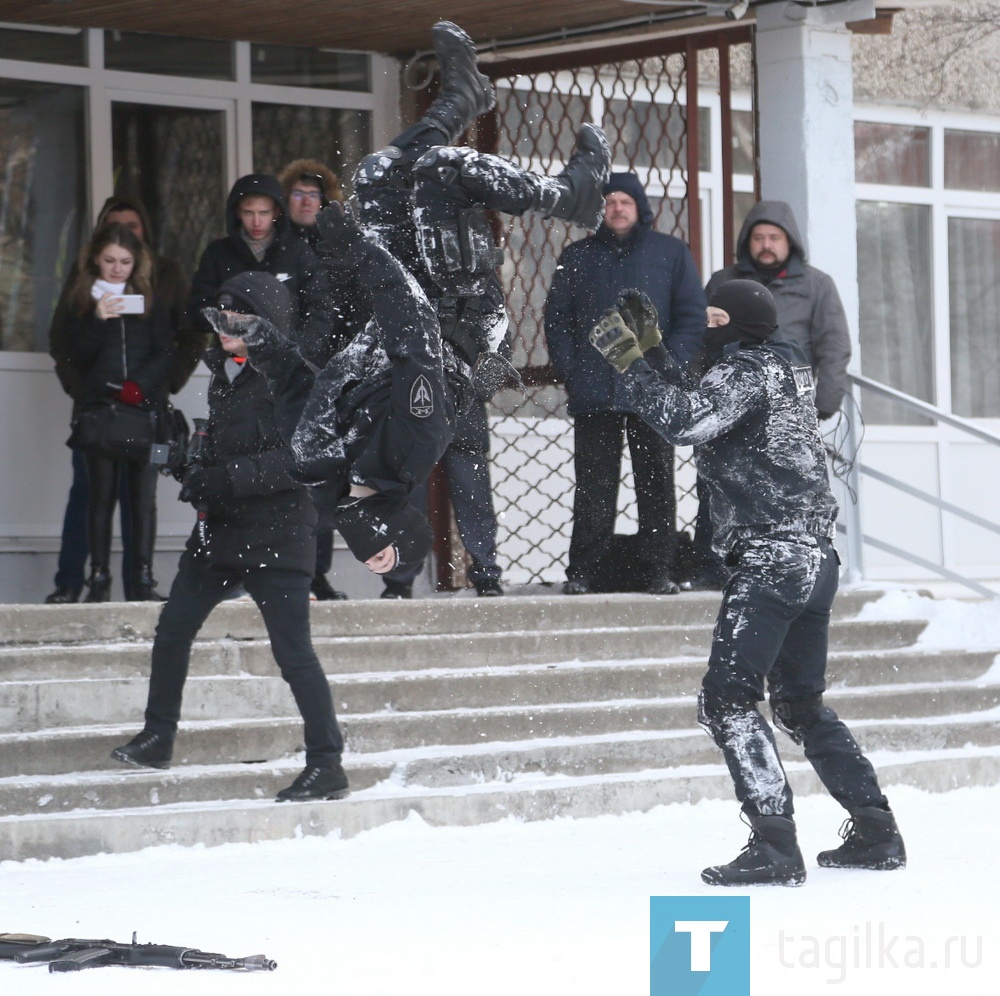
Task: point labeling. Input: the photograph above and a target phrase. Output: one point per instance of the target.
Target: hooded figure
(276, 251)
(810, 312)
(752, 422)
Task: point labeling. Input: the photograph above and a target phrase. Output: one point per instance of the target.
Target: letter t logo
(701, 940)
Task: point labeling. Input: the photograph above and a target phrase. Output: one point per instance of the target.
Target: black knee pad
(796, 717)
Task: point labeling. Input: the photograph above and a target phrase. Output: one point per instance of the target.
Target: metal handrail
(855, 535)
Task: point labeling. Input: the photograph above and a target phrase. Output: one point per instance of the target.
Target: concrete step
(128, 621)
(78, 833)
(445, 766)
(35, 705)
(378, 652)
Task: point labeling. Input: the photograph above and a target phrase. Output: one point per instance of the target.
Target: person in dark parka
(752, 422)
(260, 239)
(624, 253)
(255, 529)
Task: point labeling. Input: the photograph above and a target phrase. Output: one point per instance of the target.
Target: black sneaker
(146, 750)
(871, 840)
(771, 857)
(324, 591)
(489, 589)
(396, 589)
(316, 783)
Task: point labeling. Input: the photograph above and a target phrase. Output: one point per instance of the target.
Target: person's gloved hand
(252, 329)
(130, 393)
(640, 316)
(491, 373)
(203, 483)
(339, 234)
(615, 341)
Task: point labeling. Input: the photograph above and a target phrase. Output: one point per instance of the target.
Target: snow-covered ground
(557, 908)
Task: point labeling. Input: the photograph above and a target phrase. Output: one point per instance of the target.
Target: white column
(806, 106)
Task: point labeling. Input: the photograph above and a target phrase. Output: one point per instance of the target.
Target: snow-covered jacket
(757, 447)
(269, 519)
(288, 258)
(590, 276)
(810, 312)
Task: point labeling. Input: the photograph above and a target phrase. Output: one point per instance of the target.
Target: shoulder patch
(421, 398)
(717, 376)
(803, 379)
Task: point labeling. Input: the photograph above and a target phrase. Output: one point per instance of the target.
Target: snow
(553, 907)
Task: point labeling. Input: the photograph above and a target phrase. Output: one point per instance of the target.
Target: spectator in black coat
(625, 252)
(260, 238)
(255, 529)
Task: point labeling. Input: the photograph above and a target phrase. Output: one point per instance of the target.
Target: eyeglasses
(306, 195)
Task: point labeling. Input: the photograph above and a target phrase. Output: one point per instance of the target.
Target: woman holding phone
(121, 343)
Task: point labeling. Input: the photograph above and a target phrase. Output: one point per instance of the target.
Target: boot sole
(791, 882)
(329, 797)
(133, 763)
(886, 864)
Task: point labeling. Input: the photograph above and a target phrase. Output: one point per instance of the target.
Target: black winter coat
(288, 258)
(139, 348)
(268, 520)
(752, 422)
(590, 276)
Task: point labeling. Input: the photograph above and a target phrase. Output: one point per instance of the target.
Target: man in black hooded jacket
(255, 529)
(260, 239)
(752, 422)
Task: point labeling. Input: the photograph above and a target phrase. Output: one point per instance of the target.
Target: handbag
(116, 430)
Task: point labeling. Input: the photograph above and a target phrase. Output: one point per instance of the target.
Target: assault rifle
(71, 954)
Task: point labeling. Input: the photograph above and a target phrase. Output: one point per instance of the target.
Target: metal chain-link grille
(641, 103)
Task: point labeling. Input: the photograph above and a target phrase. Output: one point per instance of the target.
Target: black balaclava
(374, 522)
(753, 317)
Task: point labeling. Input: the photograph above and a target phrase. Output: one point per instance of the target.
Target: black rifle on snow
(71, 954)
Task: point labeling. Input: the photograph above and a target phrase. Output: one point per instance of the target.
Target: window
(896, 314)
(318, 68)
(972, 161)
(649, 129)
(62, 46)
(42, 192)
(892, 154)
(743, 139)
(337, 137)
(136, 52)
(974, 295)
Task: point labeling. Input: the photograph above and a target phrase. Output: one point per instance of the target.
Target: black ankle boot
(871, 840)
(576, 194)
(99, 584)
(465, 92)
(146, 750)
(771, 857)
(144, 586)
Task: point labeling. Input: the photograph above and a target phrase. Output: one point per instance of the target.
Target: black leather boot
(871, 840)
(576, 194)
(771, 857)
(465, 92)
(99, 584)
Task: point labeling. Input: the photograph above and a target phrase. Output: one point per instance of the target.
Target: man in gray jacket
(771, 252)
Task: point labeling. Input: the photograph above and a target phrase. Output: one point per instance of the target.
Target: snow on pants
(283, 599)
(772, 629)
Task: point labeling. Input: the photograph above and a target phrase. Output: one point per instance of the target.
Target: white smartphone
(134, 304)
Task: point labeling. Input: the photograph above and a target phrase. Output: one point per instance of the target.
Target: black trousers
(598, 441)
(105, 478)
(283, 599)
(772, 630)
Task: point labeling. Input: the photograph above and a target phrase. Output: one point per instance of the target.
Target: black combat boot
(771, 857)
(324, 591)
(871, 840)
(146, 750)
(576, 194)
(99, 584)
(465, 92)
(317, 783)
